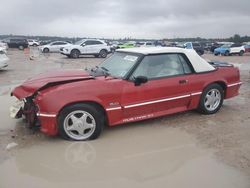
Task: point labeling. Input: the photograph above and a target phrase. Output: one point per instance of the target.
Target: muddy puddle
(133, 156)
(145, 154)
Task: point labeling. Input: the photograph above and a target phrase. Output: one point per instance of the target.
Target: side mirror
(140, 80)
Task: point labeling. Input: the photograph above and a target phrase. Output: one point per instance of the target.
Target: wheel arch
(104, 50)
(89, 102)
(75, 49)
(220, 83)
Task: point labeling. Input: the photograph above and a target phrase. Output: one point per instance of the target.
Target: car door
(53, 46)
(235, 48)
(58, 45)
(167, 89)
(97, 46)
(87, 47)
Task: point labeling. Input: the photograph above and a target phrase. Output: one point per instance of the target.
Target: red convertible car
(132, 85)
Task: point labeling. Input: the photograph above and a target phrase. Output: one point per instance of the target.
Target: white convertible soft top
(199, 64)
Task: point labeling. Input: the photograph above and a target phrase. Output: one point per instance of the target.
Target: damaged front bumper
(35, 119)
(16, 110)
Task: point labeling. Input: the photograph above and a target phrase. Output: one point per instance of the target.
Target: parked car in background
(247, 48)
(3, 46)
(33, 42)
(198, 48)
(229, 49)
(132, 85)
(95, 47)
(54, 46)
(192, 45)
(214, 46)
(19, 43)
(145, 44)
(3, 58)
(127, 45)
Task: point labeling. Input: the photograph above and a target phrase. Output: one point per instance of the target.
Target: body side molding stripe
(46, 115)
(155, 101)
(235, 84)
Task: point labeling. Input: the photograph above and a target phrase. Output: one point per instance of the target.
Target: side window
(157, 66)
(61, 43)
(96, 42)
(186, 66)
(90, 42)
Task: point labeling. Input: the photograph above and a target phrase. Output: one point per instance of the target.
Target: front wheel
(46, 50)
(241, 53)
(21, 47)
(103, 53)
(75, 54)
(80, 122)
(211, 99)
(226, 53)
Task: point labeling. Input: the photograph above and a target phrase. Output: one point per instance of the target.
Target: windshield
(79, 42)
(119, 64)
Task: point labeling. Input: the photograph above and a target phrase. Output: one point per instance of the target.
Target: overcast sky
(126, 18)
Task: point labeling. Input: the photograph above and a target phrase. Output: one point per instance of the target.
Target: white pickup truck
(95, 47)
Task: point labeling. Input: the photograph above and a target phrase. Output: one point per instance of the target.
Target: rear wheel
(103, 53)
(46, 50)
(21, 47)
(226, 53)
(75, 54)
(211, 99)
(241, 53)
(80, 122)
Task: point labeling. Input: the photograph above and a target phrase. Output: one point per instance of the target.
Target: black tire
(75, 53)
(202, 107)
(68, 56)
(103, 53)
(46, 50)
(94, 111)
(216, 54)
(20, 47)
(226, 53)
(241, 53)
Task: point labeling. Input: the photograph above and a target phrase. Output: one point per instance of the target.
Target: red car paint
(247, 48)
(121, 100)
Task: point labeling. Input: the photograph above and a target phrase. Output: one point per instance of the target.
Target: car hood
(45, 80)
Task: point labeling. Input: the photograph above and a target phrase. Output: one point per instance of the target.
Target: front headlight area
(43, 105)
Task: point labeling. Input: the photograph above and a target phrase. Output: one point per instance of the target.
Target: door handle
(183, 81)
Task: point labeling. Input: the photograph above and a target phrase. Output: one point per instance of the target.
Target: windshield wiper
(103, 69)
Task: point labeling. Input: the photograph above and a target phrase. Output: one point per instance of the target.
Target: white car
(4, 46)
(54, 46)
(3, 58)
(237, 49)
(33, 42)
(95, 47)
(147, 44)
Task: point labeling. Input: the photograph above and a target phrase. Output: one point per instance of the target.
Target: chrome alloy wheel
(212, 99)
(79, 125)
